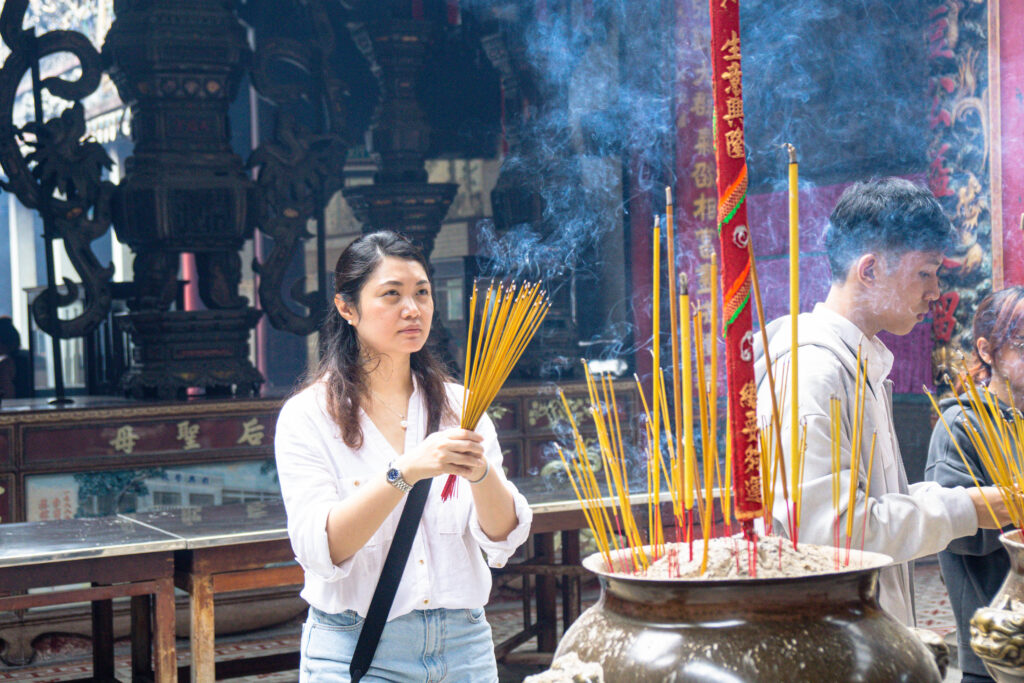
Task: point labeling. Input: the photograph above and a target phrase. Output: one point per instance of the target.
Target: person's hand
(451, 451)
(995, 500)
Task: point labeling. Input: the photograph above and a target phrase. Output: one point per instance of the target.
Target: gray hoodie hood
(811, 333)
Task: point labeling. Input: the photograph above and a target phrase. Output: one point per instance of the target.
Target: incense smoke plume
(846, 84)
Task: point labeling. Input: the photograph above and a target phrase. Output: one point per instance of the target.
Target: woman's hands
(450, 451)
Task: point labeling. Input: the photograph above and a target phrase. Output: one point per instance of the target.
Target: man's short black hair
(890, 216)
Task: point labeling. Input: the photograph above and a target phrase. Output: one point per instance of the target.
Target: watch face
(393, 474)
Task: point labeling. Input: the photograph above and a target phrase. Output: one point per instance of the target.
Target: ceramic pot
(824, 627)
(997, 631)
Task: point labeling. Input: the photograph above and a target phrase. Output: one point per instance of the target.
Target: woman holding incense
(974, 567)
(376, 417)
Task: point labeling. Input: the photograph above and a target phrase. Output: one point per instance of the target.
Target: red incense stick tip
(449, 487)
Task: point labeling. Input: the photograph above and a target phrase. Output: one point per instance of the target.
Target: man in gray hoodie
(885, 240)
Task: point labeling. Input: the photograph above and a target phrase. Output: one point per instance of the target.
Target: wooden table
(227, 548)
(97, 552)
(246, 546)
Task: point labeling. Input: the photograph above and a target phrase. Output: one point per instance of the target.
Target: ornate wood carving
(42, 157)
(301, 166)
(959, 165)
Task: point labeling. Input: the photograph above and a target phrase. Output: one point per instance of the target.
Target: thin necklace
(402, 421)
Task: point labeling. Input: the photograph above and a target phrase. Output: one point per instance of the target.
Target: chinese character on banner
(704, 145)
(753, 488)
(750, 423)
(703, 207)
(731, 47)
(187, 433)
(68, 512)
(44, 509)
(701, 105)
(748, 395)
(252, 432)
(703, 175)
(733, 110)
(704, 278)
(124, 441)
(734, 143)
(734, 75)
(706, 242)
(751, 459)
(702, 72)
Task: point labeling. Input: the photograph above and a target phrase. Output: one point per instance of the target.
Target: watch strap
(397, 480)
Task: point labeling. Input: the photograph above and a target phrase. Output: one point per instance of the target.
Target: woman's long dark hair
(343, 366)
(997, 319)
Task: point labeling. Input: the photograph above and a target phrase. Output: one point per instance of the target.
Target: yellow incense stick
(673, 433)
(713, 384)
(956, 443)
(689, 453)
(776, 415)
(859, 392)
(656, 329)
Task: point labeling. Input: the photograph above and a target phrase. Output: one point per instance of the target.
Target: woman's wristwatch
(396, 479)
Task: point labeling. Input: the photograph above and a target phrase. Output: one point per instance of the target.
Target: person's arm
(494, 505)
(946, 468)
(903, 526)
(493, 496)
(309, 487)
(501, 517)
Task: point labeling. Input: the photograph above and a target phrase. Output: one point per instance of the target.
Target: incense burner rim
(595, 563)
(1013, 537)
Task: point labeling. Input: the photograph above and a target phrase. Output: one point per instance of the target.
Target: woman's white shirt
(316, 470)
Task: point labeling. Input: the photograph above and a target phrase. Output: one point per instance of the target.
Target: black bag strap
(390, 576)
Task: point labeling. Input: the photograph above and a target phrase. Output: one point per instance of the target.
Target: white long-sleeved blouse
(316, 470)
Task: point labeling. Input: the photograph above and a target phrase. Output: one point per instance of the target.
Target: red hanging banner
(734, 233)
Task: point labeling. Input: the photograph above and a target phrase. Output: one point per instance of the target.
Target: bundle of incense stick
(856, 448)
(689, 485)
(792, 525)
(999, 442)
(692, 474)
(511, 315)
(621, 523)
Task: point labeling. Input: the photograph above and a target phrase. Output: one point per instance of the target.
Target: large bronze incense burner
(821, 627)
(997, 631)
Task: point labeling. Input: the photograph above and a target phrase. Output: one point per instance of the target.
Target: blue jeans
(424, 646)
